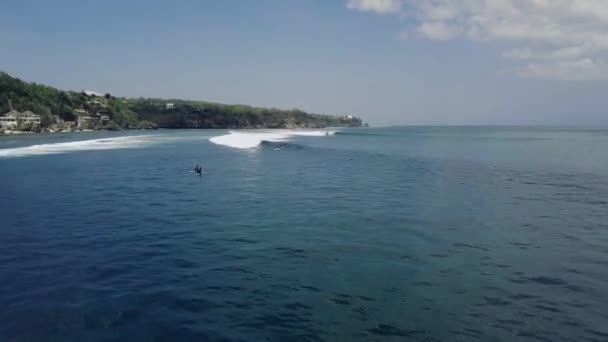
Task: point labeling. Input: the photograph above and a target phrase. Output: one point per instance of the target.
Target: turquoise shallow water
(385, 234)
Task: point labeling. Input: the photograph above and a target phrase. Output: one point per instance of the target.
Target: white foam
(249, 139)
(82, 145)
(312, 133)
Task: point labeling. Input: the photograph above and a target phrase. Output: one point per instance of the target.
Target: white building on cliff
(13, 119)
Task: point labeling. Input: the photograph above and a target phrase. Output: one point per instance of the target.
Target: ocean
(379, 234)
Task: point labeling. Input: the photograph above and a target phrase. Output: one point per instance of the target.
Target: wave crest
(82, 145)
(245, 140)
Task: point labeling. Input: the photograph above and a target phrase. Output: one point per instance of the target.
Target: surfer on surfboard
(198, 169)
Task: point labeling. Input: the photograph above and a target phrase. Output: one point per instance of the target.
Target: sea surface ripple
(392, 234)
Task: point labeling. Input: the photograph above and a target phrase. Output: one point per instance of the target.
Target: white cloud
(582, 69)
(565, 53)
(378, 6)
(437, 30)
(565, 39)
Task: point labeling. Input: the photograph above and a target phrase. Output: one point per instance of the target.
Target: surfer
(198, 169)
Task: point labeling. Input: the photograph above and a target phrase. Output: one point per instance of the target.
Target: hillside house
(83, 118)
(13, 119)
(92, 93)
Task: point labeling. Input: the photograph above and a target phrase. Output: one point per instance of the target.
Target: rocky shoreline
(51, 131)
(70, 128)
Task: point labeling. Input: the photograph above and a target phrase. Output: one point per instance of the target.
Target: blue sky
(389, 61)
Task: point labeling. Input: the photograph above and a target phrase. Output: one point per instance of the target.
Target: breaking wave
(246, 140)
(73, 146)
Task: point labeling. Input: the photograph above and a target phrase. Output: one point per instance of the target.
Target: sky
(391, 62)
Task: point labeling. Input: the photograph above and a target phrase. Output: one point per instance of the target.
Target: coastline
(15, 132)
(49, 131)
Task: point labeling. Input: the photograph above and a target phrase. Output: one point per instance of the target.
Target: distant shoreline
(16, 132)
(36, 108)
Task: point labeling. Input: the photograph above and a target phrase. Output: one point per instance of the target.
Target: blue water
(387, 234)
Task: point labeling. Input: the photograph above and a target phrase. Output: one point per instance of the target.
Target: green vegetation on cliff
(199, 114)
(51, 103)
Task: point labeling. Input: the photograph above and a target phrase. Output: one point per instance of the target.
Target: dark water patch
(460, 291)
(236, 257)
(244, 240)
(215, 288)
(439, 255)
(499, 290)
(108, 319)
(339, 301)
(185, 200)
(577, 305)
(422, 284)
(160, 245)
(182, 263)
(281, 146)
(534, 336)
(284, 288)
(468, 333)
(166, 333)
(361, 311)
(522, 296)
(239, 305)
(597, 333)
(467, 245)
(571, 324)
(600, 262)
(194, 305)
(547, 308)
(292, 252)
(494, 301)
(310, 288)
(279, 320)
(574, 271)
(475, 314)
(157, 221)
(525, 314)
(552, 281)
(297, 306)
(569, 186)
(521, 245)
(387, 330)
(232, 269)
(511, 322)
(343, 295)
(504, 327)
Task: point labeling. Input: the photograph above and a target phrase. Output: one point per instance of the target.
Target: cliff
(198, 114)
(70, 108)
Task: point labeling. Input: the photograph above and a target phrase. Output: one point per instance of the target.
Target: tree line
(48, 102)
